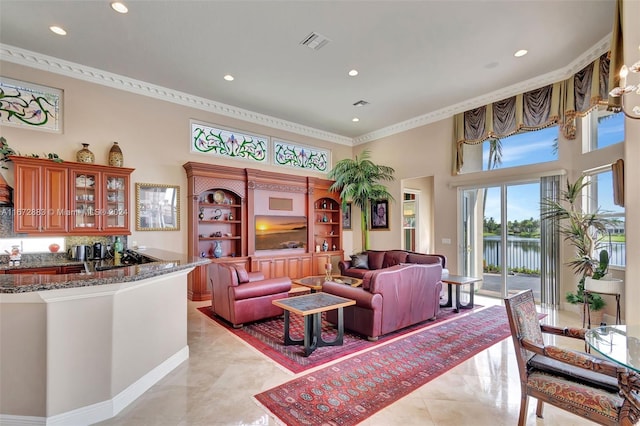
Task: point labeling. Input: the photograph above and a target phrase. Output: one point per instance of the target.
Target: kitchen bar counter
(164, 262)
(79, 348)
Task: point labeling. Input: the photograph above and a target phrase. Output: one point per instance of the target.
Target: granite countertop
(165, 262)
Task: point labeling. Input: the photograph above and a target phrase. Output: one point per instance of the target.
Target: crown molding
(69, 69)
(583, 60)
(92, 75)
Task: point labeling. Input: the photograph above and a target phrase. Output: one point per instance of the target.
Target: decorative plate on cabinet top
(218, 197)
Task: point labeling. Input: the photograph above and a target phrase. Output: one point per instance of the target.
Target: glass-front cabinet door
(115, 202)
(85, 196)
(99, 201)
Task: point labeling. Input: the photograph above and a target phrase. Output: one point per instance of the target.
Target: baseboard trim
(103, 410)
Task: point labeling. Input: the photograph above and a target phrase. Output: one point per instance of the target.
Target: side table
(458, 281)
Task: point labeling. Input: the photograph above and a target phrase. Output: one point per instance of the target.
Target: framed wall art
(157, 207)
(30, 105)
(379, 214)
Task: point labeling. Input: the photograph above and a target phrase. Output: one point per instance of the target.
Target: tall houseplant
(358, 180)
(585, 232)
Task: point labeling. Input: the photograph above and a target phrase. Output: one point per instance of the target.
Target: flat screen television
(280, 232)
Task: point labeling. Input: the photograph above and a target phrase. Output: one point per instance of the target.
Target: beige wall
(154, 136)
(424, 152)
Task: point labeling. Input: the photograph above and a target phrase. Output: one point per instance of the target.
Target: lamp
(623, 89)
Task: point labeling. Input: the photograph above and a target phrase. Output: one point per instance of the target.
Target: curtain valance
(559, 103)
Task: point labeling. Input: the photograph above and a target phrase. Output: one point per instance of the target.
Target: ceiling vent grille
(360, 103)
(315, 41)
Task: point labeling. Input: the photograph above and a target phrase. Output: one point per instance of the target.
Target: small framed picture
(379, 214)
(346, 217)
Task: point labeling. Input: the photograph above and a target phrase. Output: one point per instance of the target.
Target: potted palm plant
(358, 181)
(585, 232)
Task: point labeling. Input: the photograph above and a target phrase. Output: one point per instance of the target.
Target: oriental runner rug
(268, 338)
(349, 391)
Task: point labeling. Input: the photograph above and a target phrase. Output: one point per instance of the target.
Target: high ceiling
(414, 58)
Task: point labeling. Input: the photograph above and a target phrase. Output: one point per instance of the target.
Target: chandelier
(623, 89)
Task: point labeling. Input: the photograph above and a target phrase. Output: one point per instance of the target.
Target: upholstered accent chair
(575, 381)
(240, 297)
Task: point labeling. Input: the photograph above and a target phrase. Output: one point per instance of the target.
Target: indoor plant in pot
(358, 180)
(600, 281)
(585, 232)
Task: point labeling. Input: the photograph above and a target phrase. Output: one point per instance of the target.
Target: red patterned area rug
(268, 337)
(349, 391)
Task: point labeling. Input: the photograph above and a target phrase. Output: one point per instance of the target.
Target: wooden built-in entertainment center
(223, 203)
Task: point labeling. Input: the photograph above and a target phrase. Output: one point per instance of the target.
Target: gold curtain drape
(559, 103)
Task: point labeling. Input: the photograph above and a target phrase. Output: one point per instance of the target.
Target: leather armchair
(239, 296)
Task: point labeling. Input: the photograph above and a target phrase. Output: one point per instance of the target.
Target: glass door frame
(416, 220)
(471, 229)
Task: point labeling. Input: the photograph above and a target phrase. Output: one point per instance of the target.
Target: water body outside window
(513, 210)
(510, 264)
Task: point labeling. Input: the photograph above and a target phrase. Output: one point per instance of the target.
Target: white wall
(631, 30)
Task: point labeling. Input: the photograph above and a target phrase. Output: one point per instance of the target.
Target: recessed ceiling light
(119, 7)
(228, 77)
(355, 119)
(58, 30)
(520, 53)
(353, 73)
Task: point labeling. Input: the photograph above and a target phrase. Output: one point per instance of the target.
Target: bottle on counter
(117, 251)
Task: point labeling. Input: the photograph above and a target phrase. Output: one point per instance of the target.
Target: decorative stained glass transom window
(228, 143)
(302, 157)
(30, 105)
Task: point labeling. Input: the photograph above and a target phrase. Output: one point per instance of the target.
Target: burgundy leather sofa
(379, 259)
(390, 299)
(239, 296)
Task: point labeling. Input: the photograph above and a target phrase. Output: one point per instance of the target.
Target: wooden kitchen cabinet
(71, 269)
(52, 270)
(41, 196)
(70, 198)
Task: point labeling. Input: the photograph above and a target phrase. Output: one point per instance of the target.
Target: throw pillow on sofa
(360, 261)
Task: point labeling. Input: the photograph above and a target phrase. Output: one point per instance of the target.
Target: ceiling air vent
(315, 41)
(360, 103)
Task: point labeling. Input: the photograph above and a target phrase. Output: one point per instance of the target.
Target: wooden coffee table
(459, 281)
(311, 307)
(315, 282)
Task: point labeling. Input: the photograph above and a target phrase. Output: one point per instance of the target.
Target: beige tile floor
(215, 386)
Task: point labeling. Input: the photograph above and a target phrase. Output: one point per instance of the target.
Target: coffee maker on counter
(99, 251)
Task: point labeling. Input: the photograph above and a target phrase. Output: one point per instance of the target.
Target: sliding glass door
(501, 237)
